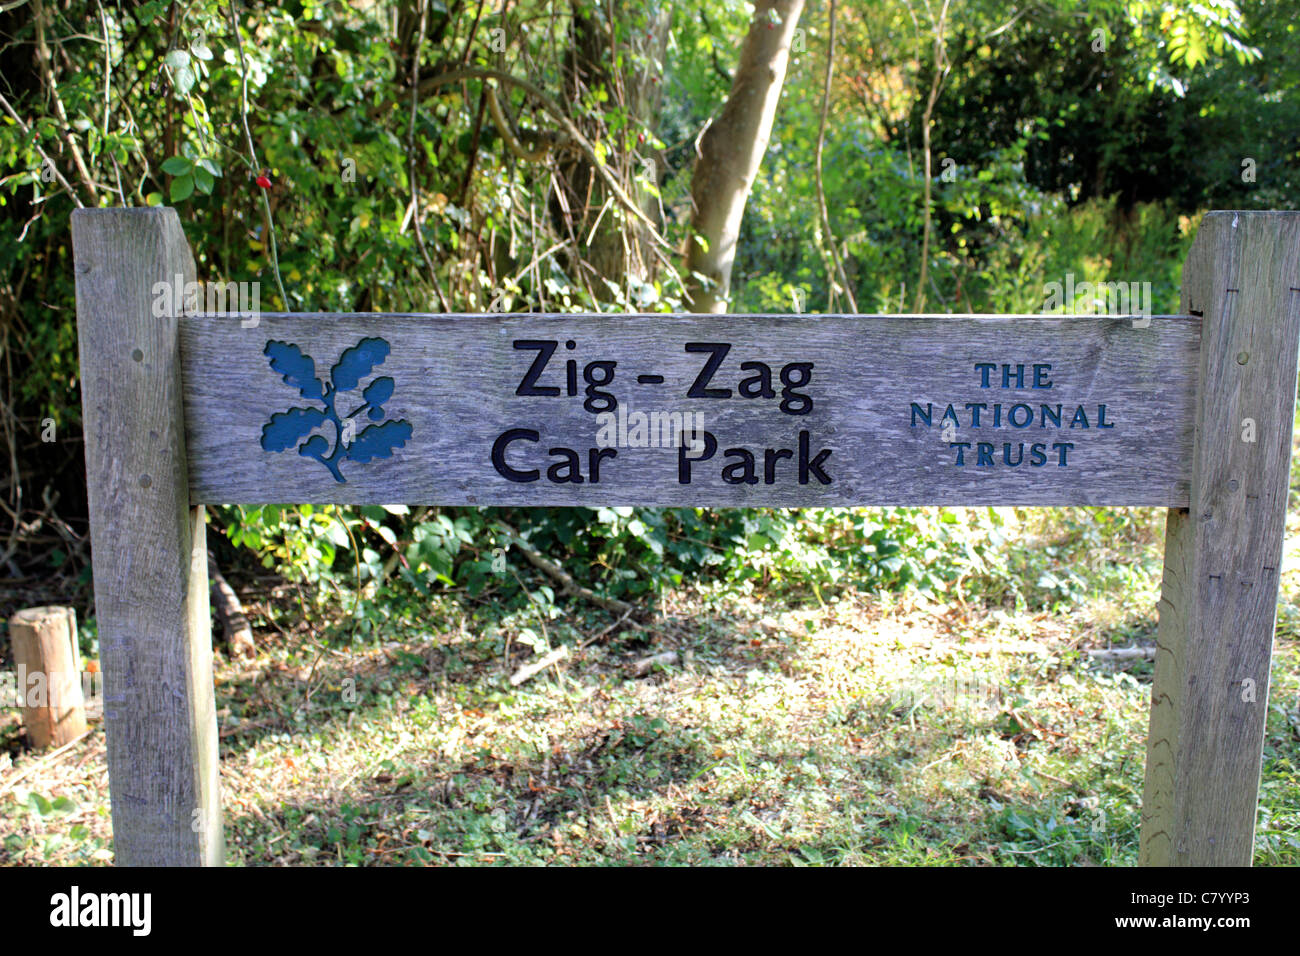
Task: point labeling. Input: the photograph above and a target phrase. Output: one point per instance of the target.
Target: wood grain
(44, 642)
(456, 379)
(151, 591)
(1182, 394)
(1222, 555)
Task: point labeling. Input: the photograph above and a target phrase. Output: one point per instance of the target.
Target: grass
(859, 728)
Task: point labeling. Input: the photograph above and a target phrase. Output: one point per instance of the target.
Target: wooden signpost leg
(1223, 554)
(150, 561)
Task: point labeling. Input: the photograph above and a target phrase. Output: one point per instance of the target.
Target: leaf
(286, 429)
(532, 639)
(39, 803)
(182, 187)
(298, 369)
(176, 166)
(378, 441)
(358, 362)
(203, 179)
(314, 447)
(64, 805)
(338, 534)
(177, 59)
(379, 391)
(185, 80)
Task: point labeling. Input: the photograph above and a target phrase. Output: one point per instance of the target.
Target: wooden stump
(44, 641)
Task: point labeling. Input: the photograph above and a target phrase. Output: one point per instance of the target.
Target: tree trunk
(731, 150)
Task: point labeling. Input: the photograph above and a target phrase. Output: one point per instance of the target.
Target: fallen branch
(529, 671)
(239, 635)
(553, 570)
(1123, 654)
(647, 664)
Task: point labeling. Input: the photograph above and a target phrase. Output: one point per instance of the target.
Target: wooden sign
(793, 410)
(1191, 412)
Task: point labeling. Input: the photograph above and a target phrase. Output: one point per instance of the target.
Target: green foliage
(1049, 158)
(387, 556)
(51, 836)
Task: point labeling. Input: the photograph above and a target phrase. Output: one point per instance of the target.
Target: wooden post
(44, 641)
(149, 553)
(1222, 554)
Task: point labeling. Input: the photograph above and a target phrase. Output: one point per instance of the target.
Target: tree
(730, 151)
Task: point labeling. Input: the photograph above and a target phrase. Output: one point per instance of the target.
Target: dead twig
(605, 630)
(553, 570)
(529, 671)
(48, 760)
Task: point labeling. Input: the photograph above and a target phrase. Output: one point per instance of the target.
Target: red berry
(263, 182)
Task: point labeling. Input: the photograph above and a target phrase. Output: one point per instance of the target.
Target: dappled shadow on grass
(295, 689)
(832, 734)
(849, 728)
(428, 808)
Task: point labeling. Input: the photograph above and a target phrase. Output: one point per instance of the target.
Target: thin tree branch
(27, 131)
(821, 188)
(252, 152)
(482, 73)
(47, 73)
(508, 133)
(410, 152)
(941, 67)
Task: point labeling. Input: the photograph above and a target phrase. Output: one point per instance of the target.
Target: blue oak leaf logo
(289, 428)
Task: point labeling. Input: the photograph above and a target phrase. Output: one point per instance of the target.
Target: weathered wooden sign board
(1190, 412)
(799, 410)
